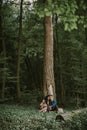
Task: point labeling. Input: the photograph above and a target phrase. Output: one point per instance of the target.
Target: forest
(43, 50)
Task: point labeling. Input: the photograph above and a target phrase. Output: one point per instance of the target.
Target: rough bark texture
(48, 79)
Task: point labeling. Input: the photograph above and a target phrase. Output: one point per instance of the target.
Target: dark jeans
(55, 108)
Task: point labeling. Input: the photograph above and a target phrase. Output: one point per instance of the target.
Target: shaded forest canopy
(22, 37)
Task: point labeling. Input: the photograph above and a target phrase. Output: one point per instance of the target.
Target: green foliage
(78, 122)
(71, 37)
(16, 117)
(64, 9)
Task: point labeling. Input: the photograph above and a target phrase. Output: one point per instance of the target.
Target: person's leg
(55, 108)
(44, 109)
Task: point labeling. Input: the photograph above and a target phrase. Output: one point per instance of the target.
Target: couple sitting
(48, 104)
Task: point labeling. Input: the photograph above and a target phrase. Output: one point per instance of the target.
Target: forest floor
(26, 116)
(18, 117)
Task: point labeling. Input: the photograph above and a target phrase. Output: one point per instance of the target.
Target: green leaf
(85, 25)
(48, 14)
(46, 10)
(66, 26)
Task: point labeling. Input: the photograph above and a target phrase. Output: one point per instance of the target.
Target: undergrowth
(26, 116)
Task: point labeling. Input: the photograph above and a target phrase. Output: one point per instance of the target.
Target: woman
(44, 104)
(48, 104)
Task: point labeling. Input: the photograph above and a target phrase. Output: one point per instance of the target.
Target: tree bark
(2, 48)
(1, 2)
(1, 38)
(58, 52)
(30, 77)
(4, 71)
(48, 74)
(19, 51)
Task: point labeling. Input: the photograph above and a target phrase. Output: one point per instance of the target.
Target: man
(52, 104)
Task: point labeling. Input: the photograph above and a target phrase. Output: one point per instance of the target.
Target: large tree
(65, 13)
(48, 80)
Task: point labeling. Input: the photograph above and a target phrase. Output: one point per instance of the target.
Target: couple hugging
(48, 104)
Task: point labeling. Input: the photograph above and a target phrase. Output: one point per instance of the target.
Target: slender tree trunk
(30, 72)
(58, 48)
(48, 74)
(1, 1)
(2, 48)
(1, 39)
(4, 71)
(86, 35)
(40, 73)
(19, 50)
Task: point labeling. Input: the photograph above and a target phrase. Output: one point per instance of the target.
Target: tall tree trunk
(0, 37)
(86, 35)
(48, 74)
(1, 1)
(30, 77)
(19, 50)
(58, 48)
(2, 48)
(4, 71)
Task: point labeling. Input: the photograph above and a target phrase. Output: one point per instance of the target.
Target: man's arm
(54, 103)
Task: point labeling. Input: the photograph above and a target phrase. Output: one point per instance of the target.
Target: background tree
(19, 49)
